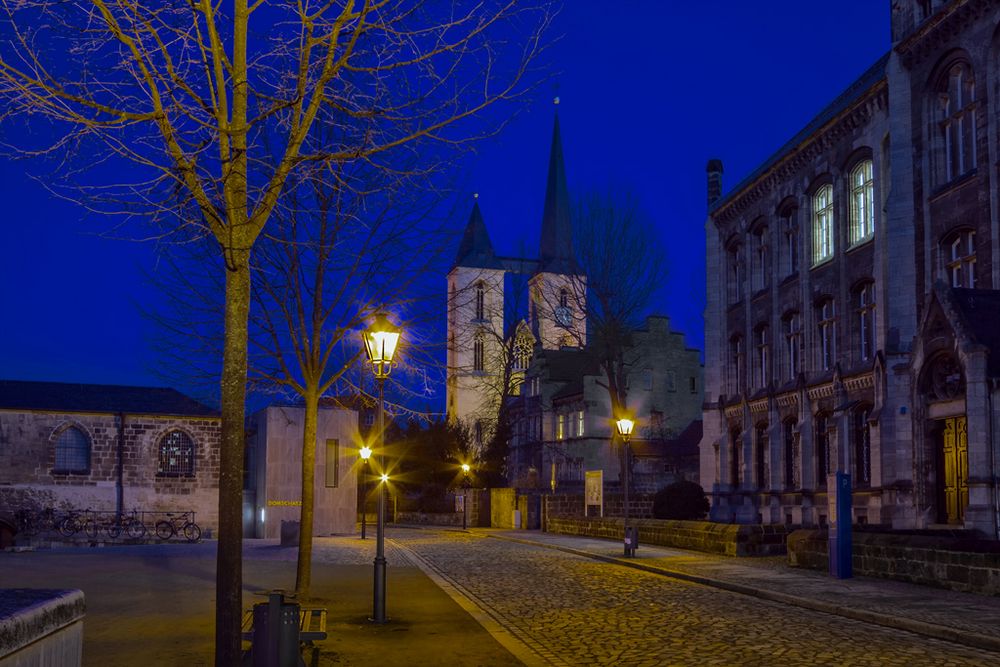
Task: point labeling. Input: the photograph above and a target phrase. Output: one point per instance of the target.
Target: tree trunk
(303, 571)
(229, 564)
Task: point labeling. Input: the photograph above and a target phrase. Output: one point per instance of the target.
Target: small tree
(685, 501)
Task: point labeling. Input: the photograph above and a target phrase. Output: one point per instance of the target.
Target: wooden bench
(312, 627)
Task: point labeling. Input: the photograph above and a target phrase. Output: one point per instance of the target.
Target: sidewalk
(963, 618)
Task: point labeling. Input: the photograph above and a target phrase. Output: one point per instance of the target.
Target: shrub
(680, 500)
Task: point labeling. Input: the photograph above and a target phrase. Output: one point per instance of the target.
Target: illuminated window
(823, 224)
(579, 424)
(522, 353)
(176, 454)
(960, 251)
(72, 451)
(480, 300)
(864, 299)
(560, 426)
(955, 133)
(862, 202)
(479, 352)
(791, 325)
(826, 324)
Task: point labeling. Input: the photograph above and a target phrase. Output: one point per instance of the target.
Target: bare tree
(217, 107)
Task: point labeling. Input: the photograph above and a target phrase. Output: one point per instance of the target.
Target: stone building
(107, 448)
(854, 326)
(273, 483)
(563, 423)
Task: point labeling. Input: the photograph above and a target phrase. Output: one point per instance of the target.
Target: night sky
(650, 90)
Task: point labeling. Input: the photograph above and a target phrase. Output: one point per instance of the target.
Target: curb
(932, 630)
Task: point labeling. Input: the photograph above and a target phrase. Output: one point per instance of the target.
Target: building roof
(476, 249)
(557, 237)
(568, 364)
(841, 103)
(102, 398)
(980, 309)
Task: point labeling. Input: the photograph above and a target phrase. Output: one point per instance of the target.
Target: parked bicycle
(128, 524)
(31, 523)
(178, 524)
(75, 522)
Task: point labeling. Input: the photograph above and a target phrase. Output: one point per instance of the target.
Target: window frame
(175, 470)
(823, 221)
(826, 325)
(82, 445)
(480, 301)
(865, 312)
(862, 214)
(959, 267)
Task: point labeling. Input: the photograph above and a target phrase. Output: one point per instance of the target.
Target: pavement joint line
(521, 646)
(932, 630)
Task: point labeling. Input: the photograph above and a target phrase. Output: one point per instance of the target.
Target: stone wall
(429, 518)
(569, 505)
(719, 538)
(27, 460)
(41, 628)
(961, 563)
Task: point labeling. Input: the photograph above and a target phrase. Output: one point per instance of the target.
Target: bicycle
(34, 522)
(131, 525)
(176, 524)
(75, 521)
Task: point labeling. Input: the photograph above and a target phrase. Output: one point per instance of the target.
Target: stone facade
(850, 328)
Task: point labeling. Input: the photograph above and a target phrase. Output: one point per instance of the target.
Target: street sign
(593, 491)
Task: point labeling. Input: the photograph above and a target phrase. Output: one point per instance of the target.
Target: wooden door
(955, 473)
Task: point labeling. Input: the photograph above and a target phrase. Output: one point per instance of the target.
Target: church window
(862, 202)
(480, 300)
(735, 273)
(522, 353)
(72, 451)
(960, 251)
(761, 269)
(862, 447)
(479, 352)
(560, 426)
(762, 356)
(955, 134)
(580, 420)
(563, 298)
(735, 364)
(176, 454)
(826, 324)
(864, 299)
(822, 227)
(791, 325)
(790, 241)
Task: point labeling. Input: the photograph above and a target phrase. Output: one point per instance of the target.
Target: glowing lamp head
(625, 426)
(365, 453)
(380, 340)
(385, 477)
(466, 468)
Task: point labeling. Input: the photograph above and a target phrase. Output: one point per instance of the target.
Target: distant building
(852, 322)
(563, 423)
(273, 483)
(107, 448)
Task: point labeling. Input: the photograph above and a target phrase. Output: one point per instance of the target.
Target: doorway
(953, 469)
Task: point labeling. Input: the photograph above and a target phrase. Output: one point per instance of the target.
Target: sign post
(839, 490)
(594, 492)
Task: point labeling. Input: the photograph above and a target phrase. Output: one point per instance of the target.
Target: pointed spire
(557, 239)
(476, 250)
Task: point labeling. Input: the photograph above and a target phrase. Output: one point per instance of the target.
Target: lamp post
(380, 345)
(465, 496)
(625, 427)
(365, 453)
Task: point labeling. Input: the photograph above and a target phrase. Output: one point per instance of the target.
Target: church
(855, 326)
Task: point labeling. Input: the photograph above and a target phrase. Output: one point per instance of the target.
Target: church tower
(558, 289)
(475, 323)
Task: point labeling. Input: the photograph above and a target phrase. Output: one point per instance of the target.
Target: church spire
(557, 240)
(476, 250)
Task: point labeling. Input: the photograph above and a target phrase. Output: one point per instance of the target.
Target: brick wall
(27, 459)
(640, 505)
(957, 563)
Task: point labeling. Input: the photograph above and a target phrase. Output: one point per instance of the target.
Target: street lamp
(465, 496)
(380, 345)
(625, 426)
(365, 453)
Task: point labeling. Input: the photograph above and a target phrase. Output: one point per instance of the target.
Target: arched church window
(563, 298)
(822, 224)
(480, 300)
(791, 325)
(522, 353)
(862, 202)
(762, 356)
(760, 257)
(955, 123)
(479, 352)
(864, 301)
(827, 330)
(790, 241)
(176, 455)
(72, 451)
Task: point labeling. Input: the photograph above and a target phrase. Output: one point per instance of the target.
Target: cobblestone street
(572, 610)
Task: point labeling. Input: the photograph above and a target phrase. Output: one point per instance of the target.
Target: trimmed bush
(684, 501)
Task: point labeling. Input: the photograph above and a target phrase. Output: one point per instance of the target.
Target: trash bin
(631, 540)
(516, 519)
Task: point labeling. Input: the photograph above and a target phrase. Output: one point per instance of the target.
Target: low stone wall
(958, 563)
(719, 538)
(41, 628)
(429, 519)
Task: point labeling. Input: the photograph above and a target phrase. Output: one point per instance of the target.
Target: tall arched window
(735, 364)
(176, 454)
(760, 458)
(790, 454)
(862, 202)
(760, 257)
(789, 242)
(955, 129)
(762, 356)
(72, 451)
(791, 325)
(563, 298)
(734, 280)
(480, 300)
(959, 251)
(864, 304)
(862, 446)
(479, 352)
(826, 325)
(822, 224)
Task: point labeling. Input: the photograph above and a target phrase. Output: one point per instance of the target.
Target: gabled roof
(557, 237)
(100, 398)
(476, 249)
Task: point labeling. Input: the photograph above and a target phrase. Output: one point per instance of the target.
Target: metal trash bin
(275, 640)
(631, 540)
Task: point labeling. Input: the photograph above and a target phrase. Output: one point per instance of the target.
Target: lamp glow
(625, 427)
(385, 477)
(466, 468)
(380, 343)
(365, 453)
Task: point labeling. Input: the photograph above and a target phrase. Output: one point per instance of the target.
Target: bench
(312, 627)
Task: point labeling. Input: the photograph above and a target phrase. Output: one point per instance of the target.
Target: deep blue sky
(650, 90)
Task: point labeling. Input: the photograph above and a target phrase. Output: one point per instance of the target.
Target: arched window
(522, 352)
(734, 282)
(862, 446)
(826, 325)
(479, 352)
(791, 454)
(563, 298)
(862, 202)
(72, 451)
(955, 131)
(760, 462)
(789, 242)
(864, 305)
(822, 224)
(822, 451)
(959, 251)
(762, 356)
(480, 300)
(176, 454)
(791, 325)
(760, 257)
(735, 364)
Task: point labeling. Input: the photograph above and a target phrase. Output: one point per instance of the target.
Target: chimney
(714, 170)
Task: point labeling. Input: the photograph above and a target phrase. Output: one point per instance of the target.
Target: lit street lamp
(365, 453)
(380, 345)
(625, 427)
(465, 496)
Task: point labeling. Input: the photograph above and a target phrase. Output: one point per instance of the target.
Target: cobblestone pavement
(573, 610)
